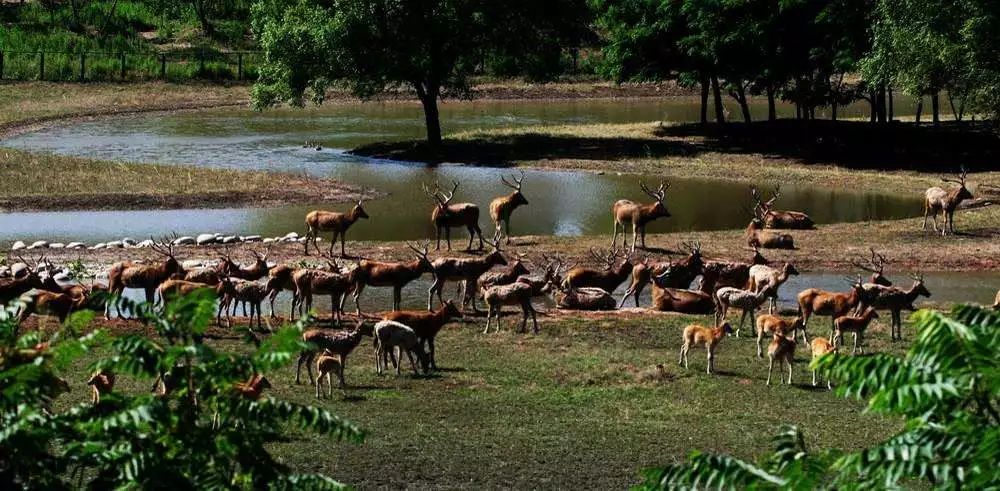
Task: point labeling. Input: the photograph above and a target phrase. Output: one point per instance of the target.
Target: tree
(431, 46)
(148, 440)
(946, 387)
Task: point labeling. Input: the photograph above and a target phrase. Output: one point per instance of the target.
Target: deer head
(440, 197)
(517, 198)
(608, 259)
(659, 209)
(876, 266)
(764, 207)
(758, 258)
(165, 248)
(963, 192)
(359, 211)
(918, 285)
(421, 253)
(495, 257)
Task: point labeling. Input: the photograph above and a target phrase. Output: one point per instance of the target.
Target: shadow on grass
(853, 144)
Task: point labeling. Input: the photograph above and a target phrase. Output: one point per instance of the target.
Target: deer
(280, 278)
(766, 277)
(896, 299)
(446, 215)
(780, 219)
(13, 288)
(626, 211)
(505, 276)
(145, 276)
(937, 200)
(681, 273)
(392, 274)
(820, 347)
(517, 293)
(607, 279)
(717, 274)
(772, 324)
(332, 221)
(683, 301)
(337, 343)
(43, 302)
(309, 282)
(833, 304)
(746, 300)
(782, 349)
(427, 324)
(259, 269)
(466, 270)
(502, 207)
(876, 266)
(855, 324)
(696, 334)
(759, 238)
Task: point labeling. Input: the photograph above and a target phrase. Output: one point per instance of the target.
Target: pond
(562, 202)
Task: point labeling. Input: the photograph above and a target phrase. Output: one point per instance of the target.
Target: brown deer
(253, 273)
(682, 273)
(501, 208)
(832, 304)
(427, 324)
(763, 276)
(684, 301)
(855, 324)
(446, 215)
(337, 343)
(782, 349)
(279, 278)
(717, 274)
(626, 211)
(13, 288)
(309, 282)
(607, 279)
(505, 276)
(876, 266)
(145, 276)
(59, 305)
(759, 238)
(895, 300)
(780, 219)
(332, 221)
(391, 274)
(937, 200)
(696, 334)
(517, 293)
(466, 270)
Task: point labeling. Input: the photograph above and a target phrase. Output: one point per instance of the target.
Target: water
(562, 202)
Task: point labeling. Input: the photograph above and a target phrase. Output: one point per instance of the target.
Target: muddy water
(562, 203)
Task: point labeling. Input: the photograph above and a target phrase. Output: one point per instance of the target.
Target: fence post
(123, 66)
(163, 66)
(41, 65)
(83, 65)
(239, 66)
(1, 65)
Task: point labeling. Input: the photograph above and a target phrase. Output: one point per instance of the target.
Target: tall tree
(430, 46)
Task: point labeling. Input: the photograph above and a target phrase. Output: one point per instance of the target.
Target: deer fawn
(331, 221)
(446, 215)
(627, 211)
(501, 208)
(938, 200)
(779, 219)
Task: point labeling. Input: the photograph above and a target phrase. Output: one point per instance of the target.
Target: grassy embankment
(580, 405)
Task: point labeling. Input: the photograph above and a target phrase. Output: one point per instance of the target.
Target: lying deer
(13, 288)
(466, 270)
(607, 279)
(626, 211)
(391, 274)
(937, 200)
(145, 276)
(446, 215)
(501, 208)
(757, 237)
(780, 219)
(332, 221)
(684, 301)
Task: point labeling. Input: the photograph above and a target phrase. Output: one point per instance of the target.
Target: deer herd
(690, 285)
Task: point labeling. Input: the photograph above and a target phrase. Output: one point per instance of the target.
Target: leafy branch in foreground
(202, 433)
(947, 387)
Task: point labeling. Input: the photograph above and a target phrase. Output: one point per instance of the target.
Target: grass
(578, 406)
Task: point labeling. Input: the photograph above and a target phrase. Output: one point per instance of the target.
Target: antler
(660, 193)
(420, 252)
(963, 172)
(774, 197)
(517, 182)
(876, 264)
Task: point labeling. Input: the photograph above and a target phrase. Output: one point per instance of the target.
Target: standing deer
(869, 290)
(395, 274)
(466, 270)
(765, 277)
(895, 300)
(606, 279)
(938, 200)
(717, 274)
(627, 211)
(332, 221)
(280, 278)
(309, 282)
(779, 219)
(145, 276)
(832, 304)
(446, 215)
(501, 208)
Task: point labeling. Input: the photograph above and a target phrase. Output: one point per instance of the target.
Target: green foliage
(946, 387)
(202, 434)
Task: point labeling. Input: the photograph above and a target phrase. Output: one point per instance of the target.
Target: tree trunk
(956, 113)
(892, 109)
(741, 98)
(772, 113)
(920, 108)
(833, 111)
(881, 104)
(873, 102)
(432, 118)
(200, 11)
(717, 100)
(704, 100)
(935, 108)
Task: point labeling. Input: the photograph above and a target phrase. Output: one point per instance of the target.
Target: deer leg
(438, 246)
(534, 317)
(760, 338)
(683, 355)
(435, 287)
(770, 366)
(506, 225)
(711, 360)
(430, 352)
(498, 232)
(397, 298)
(855, 349)
(489, 315)
(614, 238)
(358, 288)
(927, 212)
(447, 236)
(789, 371)
(479, 232)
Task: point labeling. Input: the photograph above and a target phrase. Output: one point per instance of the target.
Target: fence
(106, 66)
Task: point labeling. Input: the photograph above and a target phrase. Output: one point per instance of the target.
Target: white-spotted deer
(390, 274)
(937, 200)
(777, 218)
(332, 221)
(446, 215)
(626, 211)
(501, 208)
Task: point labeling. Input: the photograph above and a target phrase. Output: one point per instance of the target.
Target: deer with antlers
(309, 282)
(896, 299)
(876, 266)
(717, 274)
(389, 274)
(607, 279)
(501, 208)
(145, 276)
(759, 238)
(333, 221)
(447, 215)
(466, 270)
(626, 211)
(776, 218)
(13, 288)
(937, 200)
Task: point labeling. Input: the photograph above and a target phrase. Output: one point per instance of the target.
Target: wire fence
(107, 66)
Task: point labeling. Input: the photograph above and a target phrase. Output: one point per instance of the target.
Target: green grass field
(579, 405)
